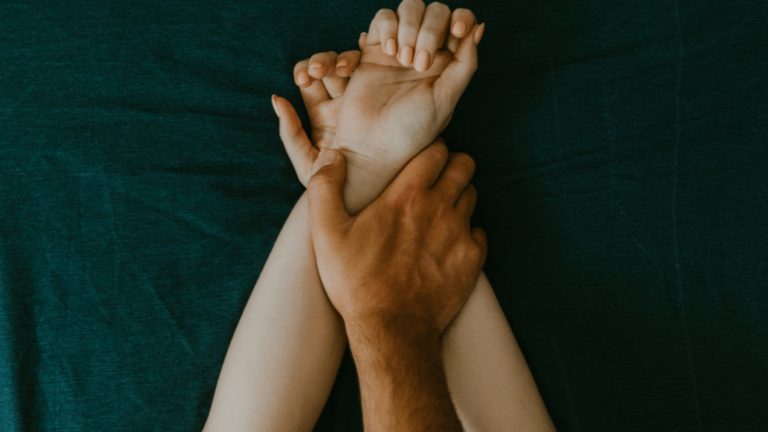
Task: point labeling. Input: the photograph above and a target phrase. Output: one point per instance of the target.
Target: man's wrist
(402, 379)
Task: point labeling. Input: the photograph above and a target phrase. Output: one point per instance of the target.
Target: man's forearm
(402, 381)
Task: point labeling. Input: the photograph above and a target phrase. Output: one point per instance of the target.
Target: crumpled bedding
(621, 153)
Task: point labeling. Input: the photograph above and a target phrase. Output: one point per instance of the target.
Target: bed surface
(621, 153)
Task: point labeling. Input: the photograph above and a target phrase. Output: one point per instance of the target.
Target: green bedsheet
(621, 148)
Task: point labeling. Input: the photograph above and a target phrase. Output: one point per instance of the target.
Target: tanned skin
(398, 273)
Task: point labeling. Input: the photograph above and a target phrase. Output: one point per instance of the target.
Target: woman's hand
(409, 106)
(392, 111)
(322, 80)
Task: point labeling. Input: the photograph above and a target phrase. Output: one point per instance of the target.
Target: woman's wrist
(365, 183)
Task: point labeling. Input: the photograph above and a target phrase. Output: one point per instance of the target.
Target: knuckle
(463, 12)
(439, 8)
(428, 36)
(439, 149)
(478, 251)
(300, 65)
(411, 200)
(472, 190)
(481, 239)
(384, 13)
(411, 4)
(409, 8)
(464, 161)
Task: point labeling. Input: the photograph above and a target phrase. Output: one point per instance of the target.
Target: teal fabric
(621, 153)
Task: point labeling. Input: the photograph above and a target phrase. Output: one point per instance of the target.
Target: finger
(454, 80)
(467, 201)
(325, 192)
(409, 15)
(300, 75)
(297, 144)
(455, 177)
(335, 85)
(384, 31)
(314, 94)
(324, 67)
(478, 234)
(347, 62)
(321, 64)
(424, 169)
(432, 31)
(462, 21)
(362, 41)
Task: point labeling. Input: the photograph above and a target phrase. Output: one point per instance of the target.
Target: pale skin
(286, 350)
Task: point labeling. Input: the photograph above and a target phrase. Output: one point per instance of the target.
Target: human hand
(409, 259)
(322, 80)
(323, 88)
(392, 111)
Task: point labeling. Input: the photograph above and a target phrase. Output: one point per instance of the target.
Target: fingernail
(391, 46)
(342, 63)
(315, 64)
(422, 61)
(479, 33)
(459, 28)
(406, 55)
(303, 78)
(274, 105)
(329, 157)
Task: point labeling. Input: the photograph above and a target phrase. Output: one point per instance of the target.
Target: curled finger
(432, 34)
(347, 62)
(322, 64)
(409, 14)
(300, 75)
(383, 31)
(462, 22)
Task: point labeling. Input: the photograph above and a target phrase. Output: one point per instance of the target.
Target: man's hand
(398, 273)
(410, 255)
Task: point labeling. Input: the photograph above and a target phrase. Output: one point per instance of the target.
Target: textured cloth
(621, 153)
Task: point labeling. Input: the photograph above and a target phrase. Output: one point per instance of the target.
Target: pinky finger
(462, 22)
(467, 201)
(347, 62)
(362, 41)
(481, 239)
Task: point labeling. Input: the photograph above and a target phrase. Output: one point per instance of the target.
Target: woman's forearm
(286, 350)
(488, 377)
(285, 354)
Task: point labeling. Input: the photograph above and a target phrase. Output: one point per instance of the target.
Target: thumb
(454, 80)
(325, 192)
(298, 146)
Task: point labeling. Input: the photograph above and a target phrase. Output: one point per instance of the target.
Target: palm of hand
(323, 121)
(390, 112)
